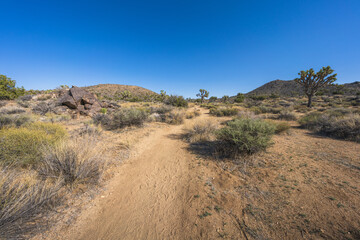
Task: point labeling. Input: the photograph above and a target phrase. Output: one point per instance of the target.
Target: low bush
(14, 120)
(23, 201)
(244, 136)
(11, 110)
(23, 104)
(75, 162)
(221, 112)
(161, 110)
(287, 115)
(176, 101)
(43, 107)
(201, 131)
(23, 146)
(122, 118)
(2, 103)
(344, 127)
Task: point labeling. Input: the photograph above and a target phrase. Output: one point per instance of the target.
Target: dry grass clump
(244, 136)
(77, 161)
(336, 124)
(287, 115)
(248, 114)
(23, 201)
(175, 117)
(201, 131)
(12, 110)
(192, 114)
(223, 111)
(3, 103)
(23, 146)
(280, 127)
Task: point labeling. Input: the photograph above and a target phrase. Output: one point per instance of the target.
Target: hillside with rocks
(289, 88)
(118, 91)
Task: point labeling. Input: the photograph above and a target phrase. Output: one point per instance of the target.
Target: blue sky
(225, 46)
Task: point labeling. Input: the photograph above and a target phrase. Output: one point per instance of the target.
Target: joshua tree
(203, 94)
(312, 81)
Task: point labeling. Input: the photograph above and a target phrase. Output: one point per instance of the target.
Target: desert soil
(303, 187)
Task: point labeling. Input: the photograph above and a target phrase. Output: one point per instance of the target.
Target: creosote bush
(75, 161)
(23, 146)
(244, 136)
(176, 101)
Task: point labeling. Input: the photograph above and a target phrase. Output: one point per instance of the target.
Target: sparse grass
(244, 136)
(23, 146)
(201, 131)
(75, 161)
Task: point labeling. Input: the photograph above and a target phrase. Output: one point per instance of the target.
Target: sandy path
(147, 198)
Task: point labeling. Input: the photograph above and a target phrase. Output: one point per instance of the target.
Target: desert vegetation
(55, 144)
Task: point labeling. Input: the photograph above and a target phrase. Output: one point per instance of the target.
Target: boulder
(85, 102)
(68, 101)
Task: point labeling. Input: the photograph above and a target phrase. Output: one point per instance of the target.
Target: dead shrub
(12, 110)
(201, 131)
(175, 117)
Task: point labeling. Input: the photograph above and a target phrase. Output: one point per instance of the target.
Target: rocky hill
(291, 88)
(117, 91)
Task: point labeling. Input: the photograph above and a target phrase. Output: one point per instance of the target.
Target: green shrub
(239, 98)
(23, 146)
(221, 112)
(103, 110)
(244, 136)
(176, 101)
(8, 90)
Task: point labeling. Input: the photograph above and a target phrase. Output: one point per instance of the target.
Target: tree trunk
(309, 101)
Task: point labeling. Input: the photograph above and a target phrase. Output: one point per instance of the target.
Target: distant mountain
(112, 91)
(291, 88)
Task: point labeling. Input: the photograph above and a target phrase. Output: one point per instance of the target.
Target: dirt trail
(147, 198)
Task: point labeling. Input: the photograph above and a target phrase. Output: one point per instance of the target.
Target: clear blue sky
(177, 45)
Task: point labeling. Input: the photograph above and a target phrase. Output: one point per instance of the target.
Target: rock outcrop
(84, 102)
